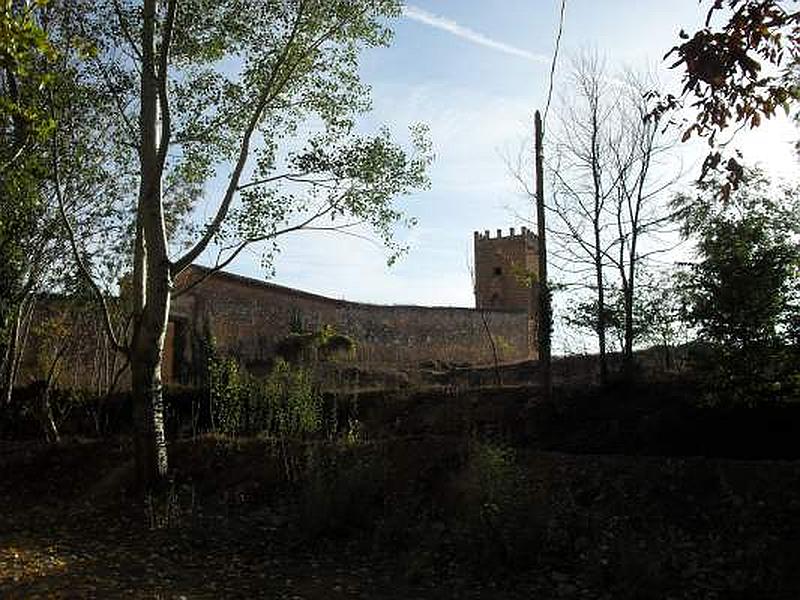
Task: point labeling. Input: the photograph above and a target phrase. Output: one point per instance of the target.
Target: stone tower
(503, 265)
(505, 269)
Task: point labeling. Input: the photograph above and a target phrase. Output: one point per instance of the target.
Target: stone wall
(247, 318)
(67, 342)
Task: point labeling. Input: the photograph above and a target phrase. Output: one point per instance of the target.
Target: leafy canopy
(265, 96)
(738, 72)
(743, 289)
(25, 57)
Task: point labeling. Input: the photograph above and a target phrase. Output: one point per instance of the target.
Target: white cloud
(422, 16)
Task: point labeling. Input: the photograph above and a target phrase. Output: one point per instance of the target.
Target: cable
(553, 64)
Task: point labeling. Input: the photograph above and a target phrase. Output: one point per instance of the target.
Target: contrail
(423, 16)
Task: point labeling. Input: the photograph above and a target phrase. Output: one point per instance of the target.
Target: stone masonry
(247, 318)
(504, 268)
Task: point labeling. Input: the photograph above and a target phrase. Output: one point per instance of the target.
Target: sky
(474, 72)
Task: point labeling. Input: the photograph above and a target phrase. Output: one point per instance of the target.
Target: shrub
(503, 516)
(297, 347)
(286, 403)
(337, 346)
(488, 490)
(344, 490)
(293, 400)
(312, 346)
(225, 394)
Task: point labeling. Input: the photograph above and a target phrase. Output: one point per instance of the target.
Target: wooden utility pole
(544, 313)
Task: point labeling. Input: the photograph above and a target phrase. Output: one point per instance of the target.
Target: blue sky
(475, 71)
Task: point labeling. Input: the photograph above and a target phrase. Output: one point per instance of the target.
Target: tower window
(498, 270)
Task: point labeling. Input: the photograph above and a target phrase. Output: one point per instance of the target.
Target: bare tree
(610, 169)
(584, 182)
(644, 171)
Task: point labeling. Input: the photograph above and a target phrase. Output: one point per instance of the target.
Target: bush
(343, 491)
(338, 345)
(286, 403)
(297, 347)
(741, 294)
(292, 406)
(312, 346)
(749, 376)
(489, 498)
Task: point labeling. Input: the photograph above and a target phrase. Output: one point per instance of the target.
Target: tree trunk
(48, 420)
(629, 291)
(601, 313)
(9, 353)
(152, 279)
(598, 256)
(12, 353)
(147, 350)
(627, 306)
(146, 358)
(627, 351)
(148, 402)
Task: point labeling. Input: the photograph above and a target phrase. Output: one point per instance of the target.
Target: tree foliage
(742, 292)
(738, 73)
(59, 154)
(235, 122)
(659, 313)
(742, 288)
(265, 95)
(23, 125)
(26, 56)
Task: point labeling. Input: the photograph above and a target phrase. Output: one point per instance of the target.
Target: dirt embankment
(441, 491)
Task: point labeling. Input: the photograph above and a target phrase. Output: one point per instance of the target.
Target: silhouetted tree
(742, 291)
(644, 172)
(611, 170)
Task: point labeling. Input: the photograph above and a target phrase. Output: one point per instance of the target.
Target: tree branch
(267, 96)
(82, 267)
(244, 152)
(305, 224)
(163, 99)
(125, 31)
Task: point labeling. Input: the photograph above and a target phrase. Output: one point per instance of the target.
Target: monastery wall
(247, 318)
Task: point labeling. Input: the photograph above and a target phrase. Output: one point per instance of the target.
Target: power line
(555, 58)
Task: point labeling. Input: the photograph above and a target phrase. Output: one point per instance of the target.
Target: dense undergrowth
(434, 514)
(633, 490)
